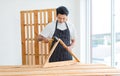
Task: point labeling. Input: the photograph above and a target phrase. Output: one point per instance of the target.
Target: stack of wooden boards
(73, 69)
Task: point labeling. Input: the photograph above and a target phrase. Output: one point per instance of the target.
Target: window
(101, 31)
(105, 26)
(117, 33)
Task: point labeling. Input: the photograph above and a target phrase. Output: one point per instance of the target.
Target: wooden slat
(31, 36)
(38, 66)
(75, 66)
(36, 35)
(51, 52)
(23, 39)
(45, 50)
(49, 15)
(38, 24)
(27, 49)
(42, 44)
(54, 14)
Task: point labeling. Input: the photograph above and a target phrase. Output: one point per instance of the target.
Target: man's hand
(70, 47)
(72, 44)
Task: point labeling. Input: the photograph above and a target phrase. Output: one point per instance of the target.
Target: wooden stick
(52, 50)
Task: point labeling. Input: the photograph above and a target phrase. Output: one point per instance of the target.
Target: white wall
(10, 31)
(83, 31)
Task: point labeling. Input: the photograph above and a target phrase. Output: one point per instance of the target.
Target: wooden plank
(72, 65)
(31, 36)
(41, 44)
(71, 72)
(45, 50)
(54, 14)
(23, 38)
(38, 24)
(49, 15)
(56, 69)
(37, 68)
(36, 35)
(76, 64)
(60, 63)
(51, 52)
(27, 47)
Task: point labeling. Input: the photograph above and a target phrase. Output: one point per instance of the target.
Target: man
(63, 30)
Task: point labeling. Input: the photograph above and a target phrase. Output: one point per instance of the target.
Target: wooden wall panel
(32, 23)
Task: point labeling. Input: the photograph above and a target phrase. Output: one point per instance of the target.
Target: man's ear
(66, 18)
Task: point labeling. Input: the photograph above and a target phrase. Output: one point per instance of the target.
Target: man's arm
(72, 44)
(42, 38)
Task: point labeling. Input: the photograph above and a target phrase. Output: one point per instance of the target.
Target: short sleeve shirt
(49, 30)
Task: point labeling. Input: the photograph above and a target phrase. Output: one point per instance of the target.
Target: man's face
(62, 18)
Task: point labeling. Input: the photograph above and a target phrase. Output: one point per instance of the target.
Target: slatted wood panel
(32, 23)
(75, 69)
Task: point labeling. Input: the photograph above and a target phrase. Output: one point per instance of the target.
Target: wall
(10, 39)
(83, 31)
